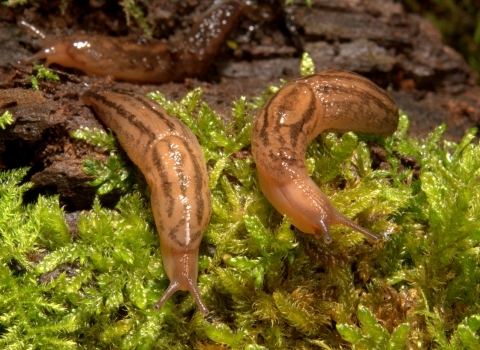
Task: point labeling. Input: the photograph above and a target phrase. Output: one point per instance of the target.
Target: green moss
(6, 119)
(132, 10)
(306, 66)
(372, 335)
(95, 137)
(14, 3)
(307, 2)
(41, 73)
(29, 315)
(267, 286)
(111, 174)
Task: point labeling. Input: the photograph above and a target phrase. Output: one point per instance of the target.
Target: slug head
(182, 269)
(307, 206)
(53, 51)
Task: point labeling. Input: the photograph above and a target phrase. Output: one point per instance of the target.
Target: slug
(168, 154)
(294, 116)
(143, 61)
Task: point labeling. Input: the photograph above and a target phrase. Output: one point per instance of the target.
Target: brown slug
(168, 154)
(143, 61)
(303, 108)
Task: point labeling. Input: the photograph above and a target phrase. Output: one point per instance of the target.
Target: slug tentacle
(169, 156)
(183, 268)
(49, 47)
(145, 60)
(41, 35)
(194, 291)
(172, 288)
(294, 116)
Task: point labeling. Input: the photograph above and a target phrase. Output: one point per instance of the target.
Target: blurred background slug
(143, 60)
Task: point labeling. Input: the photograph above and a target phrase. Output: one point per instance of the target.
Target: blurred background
(459, 22)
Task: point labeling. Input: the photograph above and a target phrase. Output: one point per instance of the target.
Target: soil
(400, 52)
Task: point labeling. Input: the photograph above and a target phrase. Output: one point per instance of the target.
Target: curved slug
(143, 61)
(169, 156)
(294, 116)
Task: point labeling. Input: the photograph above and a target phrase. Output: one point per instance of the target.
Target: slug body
(169, 156)
(294, 116)
(144, 61)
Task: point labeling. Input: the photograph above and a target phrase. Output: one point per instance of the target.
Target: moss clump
(307, 66)
(112, 174)
(6, 119)
(14, 3)
(131, 9)
(29, 314)
(267, 286)
(41, 73)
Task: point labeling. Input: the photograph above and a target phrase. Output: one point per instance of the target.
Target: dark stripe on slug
(309, 115)
(295, 129)
(167, 192)
(367, 90)
(332, 76)
(127, 133)
(176, 230)
(288, 98)
(165, 184)
(188, 157)
(197, 181)
(264, 133)
(131, 118)
(150, 104)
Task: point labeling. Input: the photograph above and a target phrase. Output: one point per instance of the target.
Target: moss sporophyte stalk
(267, 286)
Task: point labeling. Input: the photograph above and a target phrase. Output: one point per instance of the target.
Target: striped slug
(294, 116)
(143, 61)
(169, 156)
